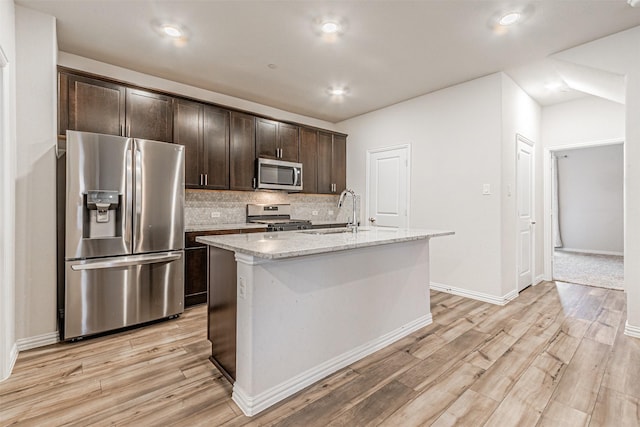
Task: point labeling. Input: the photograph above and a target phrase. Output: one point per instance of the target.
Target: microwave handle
(297, 173)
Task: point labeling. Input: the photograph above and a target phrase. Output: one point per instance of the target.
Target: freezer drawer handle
(148, 259)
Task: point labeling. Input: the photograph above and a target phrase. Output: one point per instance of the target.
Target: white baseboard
(589, 251)
(38, 341)
(252, 405)
(13, 356)
(480, 296)
(632, 331)
(539, 279)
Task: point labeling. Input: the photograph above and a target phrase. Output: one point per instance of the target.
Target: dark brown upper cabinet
(216, 147)
(91, 105)
(204, 132)
(242, 151)
(149, 115)
(309, 159)
(332, 163)
(276, 140)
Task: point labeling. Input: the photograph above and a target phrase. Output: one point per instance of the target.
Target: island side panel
(304, 318)
(222, 307)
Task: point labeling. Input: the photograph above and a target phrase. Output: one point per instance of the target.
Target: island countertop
(289, 244)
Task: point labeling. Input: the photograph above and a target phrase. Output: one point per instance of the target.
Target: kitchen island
(287, 309)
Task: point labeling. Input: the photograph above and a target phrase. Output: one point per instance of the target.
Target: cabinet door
(266, 138)
(309, 159)
(149, 115)
(339, 163)
(288, 142)
(242, 152)
(195, 276)
(216, 147)
(187, 131)
(324, 163)
(93, 106)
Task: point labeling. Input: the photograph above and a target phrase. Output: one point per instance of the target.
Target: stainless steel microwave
(278, 175)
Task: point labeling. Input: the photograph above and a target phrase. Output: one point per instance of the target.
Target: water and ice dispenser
(103, 208)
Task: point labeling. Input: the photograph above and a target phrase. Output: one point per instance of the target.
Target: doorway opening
(587, 215)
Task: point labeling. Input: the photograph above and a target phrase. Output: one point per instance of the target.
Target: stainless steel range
(276, 217)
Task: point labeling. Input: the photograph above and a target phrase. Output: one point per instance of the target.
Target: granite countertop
(209, 227)
(289, 244)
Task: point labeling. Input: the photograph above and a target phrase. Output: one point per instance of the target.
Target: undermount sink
(332, 231)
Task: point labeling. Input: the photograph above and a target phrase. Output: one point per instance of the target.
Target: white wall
(520, 116)
(35, 189)
(590, 195)
(620, 54)
(8, 348)
(582, 121)
(455, 136)
(151, 82)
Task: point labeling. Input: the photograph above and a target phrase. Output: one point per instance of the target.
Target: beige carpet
(605, 271)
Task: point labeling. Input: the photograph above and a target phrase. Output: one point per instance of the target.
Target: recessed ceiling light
(337, 91)
(172, 31)
(509, 18)
(330, 27)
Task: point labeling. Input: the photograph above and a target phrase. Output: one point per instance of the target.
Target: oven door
(279, 175)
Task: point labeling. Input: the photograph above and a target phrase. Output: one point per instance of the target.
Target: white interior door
(525, 201)
(388, 184)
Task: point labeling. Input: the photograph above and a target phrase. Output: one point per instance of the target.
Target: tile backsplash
(206, 207)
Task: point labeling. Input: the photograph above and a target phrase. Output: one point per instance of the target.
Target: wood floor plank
(605, 326)
(578, 387)
(524, 404)
(342, 399)
(471, 409)
(558, 414)
(378, 406)
(426, 371)
(616, 409)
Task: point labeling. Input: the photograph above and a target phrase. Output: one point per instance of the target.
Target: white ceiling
(390, 51)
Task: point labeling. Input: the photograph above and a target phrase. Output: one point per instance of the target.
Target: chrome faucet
(354, 221)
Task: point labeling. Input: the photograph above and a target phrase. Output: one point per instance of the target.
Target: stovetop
(277, 217)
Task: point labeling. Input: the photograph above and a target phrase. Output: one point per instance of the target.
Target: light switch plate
(486, 189)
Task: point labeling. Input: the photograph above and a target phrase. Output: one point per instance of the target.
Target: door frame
(372, 151)
(548, 231)
(521, 138)
(8, 347)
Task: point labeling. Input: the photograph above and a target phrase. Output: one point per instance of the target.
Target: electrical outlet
(330, 211)
(215, 214)
(314, 213)
(242, 288)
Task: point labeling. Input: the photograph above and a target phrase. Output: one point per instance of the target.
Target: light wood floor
(555, 356)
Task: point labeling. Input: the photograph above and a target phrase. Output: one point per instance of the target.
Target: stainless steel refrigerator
(122, 223)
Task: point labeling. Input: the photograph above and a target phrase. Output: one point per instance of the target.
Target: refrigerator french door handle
(128, 218)
(127, 261)
(137, 197)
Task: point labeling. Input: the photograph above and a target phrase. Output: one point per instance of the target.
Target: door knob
(372, 220)
(533, 223)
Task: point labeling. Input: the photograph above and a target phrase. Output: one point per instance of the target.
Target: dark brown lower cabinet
(195, 264)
